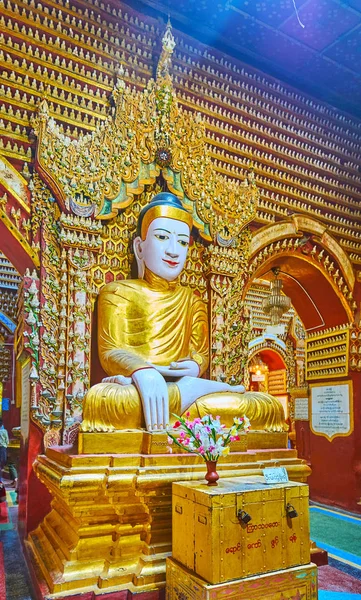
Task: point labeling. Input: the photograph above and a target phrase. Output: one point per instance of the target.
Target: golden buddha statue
(153, 341)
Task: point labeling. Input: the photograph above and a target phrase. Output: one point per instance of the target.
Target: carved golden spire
(147, 132)
(165, 60)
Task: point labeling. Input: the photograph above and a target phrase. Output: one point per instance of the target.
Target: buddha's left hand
(181, 368)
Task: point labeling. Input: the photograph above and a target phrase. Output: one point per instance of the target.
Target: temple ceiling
(305, 153)
(316, 50)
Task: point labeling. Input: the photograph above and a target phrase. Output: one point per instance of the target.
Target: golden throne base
(110, 524)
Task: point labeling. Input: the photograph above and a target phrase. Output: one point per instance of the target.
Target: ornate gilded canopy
(146, 134)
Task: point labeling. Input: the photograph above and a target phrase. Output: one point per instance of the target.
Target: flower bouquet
(207, 437)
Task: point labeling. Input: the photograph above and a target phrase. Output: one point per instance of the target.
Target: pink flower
(201, 449)
(170, 441)
(188, 414)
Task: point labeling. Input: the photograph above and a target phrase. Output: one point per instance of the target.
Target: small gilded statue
(153, 341)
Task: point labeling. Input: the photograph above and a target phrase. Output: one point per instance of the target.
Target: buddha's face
(164, 250)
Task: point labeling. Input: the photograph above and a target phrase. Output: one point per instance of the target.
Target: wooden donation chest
(295, 583)
(211, 539)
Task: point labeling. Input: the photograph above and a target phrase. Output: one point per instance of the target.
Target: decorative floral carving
(146, 132)
(31, 318)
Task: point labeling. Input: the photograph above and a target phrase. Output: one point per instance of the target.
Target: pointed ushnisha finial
(164, 64)
(168, 41)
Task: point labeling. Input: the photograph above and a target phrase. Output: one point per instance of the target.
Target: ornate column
(229, 319)
(81, 242)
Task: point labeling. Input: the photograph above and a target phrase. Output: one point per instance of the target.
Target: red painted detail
(273, 360)
(4, 518)
(2, 574)
(336, 465)
(31, 512)
(319, 557)
(255, 545)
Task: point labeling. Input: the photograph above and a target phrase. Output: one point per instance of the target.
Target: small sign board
(301, 409)
(332, 409)
(275, 475)
(258, 377)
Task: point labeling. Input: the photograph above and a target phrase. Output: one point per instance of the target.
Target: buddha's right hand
(153, 391)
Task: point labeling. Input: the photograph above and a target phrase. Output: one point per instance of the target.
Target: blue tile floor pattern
(325, 522)
(345, 562)
(324, 595)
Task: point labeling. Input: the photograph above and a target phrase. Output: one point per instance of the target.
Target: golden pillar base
(297, 582)
(110, 523)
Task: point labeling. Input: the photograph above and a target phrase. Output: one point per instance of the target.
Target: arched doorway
(319, 278)
(267, 368)
(314, 295)
(315, 271)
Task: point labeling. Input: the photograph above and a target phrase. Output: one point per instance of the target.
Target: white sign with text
(301, 409)
(274, 475)
(330, 410)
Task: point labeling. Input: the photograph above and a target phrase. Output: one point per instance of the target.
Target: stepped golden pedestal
(110, 523)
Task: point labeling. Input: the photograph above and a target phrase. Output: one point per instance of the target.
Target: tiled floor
(16, 577)
(337, 532)
(340, 534)
(340, 580)
(322, 595)
(335, 577)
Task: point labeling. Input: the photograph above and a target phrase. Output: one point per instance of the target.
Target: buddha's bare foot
(239, 389)
(120, 379)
